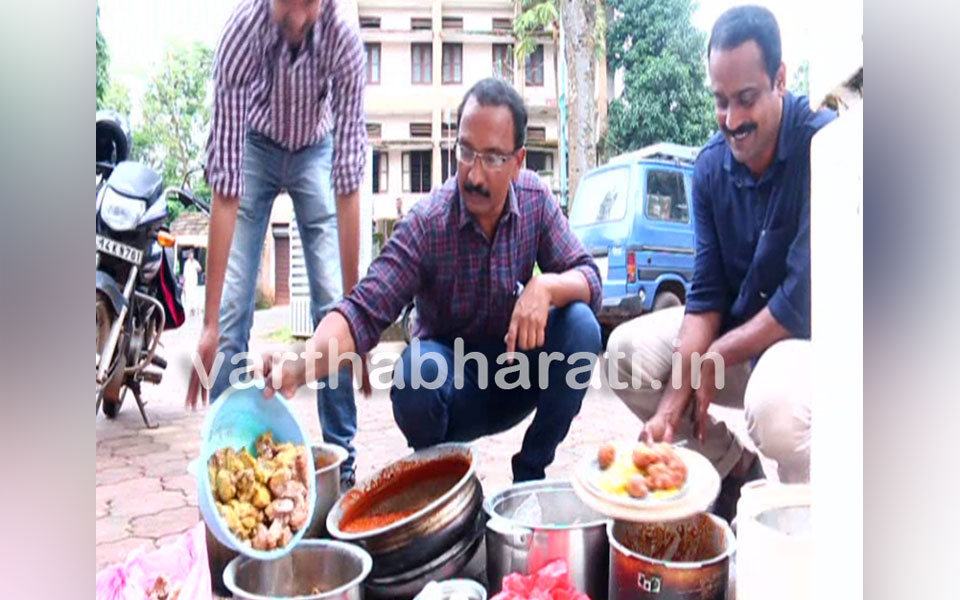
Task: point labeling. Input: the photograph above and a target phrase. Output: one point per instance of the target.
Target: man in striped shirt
(466, 254)
(289, 78)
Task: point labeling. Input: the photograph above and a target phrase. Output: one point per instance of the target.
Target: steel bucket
(566, 529)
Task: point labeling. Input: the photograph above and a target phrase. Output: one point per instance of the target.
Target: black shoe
(347, 482)
(725, 506)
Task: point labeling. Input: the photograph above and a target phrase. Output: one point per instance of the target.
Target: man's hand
(663, 424)
(528, 324)
(290, 377)
(207, 351)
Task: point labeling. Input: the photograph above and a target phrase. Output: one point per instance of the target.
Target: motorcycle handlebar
(188, 197)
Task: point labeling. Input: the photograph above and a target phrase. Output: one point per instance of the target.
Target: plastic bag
(183, 562)
(551, 582)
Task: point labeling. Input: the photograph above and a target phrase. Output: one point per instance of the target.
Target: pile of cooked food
(637, 472)
(163, 589)
(262, 498)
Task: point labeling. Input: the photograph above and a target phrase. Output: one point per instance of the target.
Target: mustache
(476, 189)
(745, 128)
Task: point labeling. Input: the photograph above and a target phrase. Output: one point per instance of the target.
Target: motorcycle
(138, 296)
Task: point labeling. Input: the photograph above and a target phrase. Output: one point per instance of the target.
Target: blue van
(634, 216)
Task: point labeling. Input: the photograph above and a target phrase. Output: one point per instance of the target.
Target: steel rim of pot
(366, 565)
(729, 548)
(543, 485)
(333, 524)
(340, 452)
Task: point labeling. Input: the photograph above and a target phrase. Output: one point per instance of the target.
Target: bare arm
(348, 228)
(750, 339)
(564, 288)
(331, 338)
(697, 333)
(223, 221)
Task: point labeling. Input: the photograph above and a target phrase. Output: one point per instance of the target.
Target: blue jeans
(428, 417)
(305, 175)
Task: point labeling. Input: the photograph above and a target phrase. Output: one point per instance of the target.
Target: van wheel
(666, 299)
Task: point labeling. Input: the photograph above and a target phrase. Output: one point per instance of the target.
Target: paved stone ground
(144, 496)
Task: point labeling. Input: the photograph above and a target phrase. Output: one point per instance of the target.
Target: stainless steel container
(314, 570)
(536, 522)
(451, 563)
(687, 559)
(428, 533)
(327, 458)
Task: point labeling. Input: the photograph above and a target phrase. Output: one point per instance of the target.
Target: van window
(602, 197)
(666, 197)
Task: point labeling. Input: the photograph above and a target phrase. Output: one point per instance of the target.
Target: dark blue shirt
(753, 236)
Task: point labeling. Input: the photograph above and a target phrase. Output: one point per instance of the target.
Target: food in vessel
(658, 467)
(401, 494)
(606, 455)
(637, 486)
(262, 498)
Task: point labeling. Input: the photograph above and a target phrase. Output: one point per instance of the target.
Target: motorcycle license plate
(121, 251)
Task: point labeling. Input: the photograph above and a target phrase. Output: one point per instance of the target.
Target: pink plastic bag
(183, 562)
(551, 582)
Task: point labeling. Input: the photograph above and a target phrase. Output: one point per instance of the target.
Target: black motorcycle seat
(135, 180)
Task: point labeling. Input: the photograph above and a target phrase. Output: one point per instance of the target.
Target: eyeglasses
(492, 161)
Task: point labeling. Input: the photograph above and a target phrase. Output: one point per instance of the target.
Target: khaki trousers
(775, 395)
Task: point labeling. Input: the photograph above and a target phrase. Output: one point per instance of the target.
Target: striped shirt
(464, 283)
(294, 100)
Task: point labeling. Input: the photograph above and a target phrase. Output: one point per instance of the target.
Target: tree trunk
(579, 18)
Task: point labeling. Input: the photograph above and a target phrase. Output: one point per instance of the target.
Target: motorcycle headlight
(119, 212)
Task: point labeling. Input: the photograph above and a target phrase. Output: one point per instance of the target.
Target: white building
(422, 56)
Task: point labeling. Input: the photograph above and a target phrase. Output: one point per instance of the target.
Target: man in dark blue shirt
(749, 305)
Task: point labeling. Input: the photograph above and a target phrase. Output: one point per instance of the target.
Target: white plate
(590, 472)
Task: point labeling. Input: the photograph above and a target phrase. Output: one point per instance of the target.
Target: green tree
(103, 64)
(176, 118)
(665, 97)
(117, 97)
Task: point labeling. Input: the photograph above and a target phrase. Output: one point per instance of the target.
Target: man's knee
(777, 401)
(578, 327)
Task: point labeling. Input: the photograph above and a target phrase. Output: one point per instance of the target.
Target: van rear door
(601, 217)
(665, 242)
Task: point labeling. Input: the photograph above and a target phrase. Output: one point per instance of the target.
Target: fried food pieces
(649, 469)
(262, 499)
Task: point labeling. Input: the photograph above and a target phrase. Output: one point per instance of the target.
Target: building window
(534, 67)
(380, 162)
(373, 130)
(540, 161)
(452, 63)
(448, 163)
(503, 61)
(416, 171)
(501, 24)
(369, 22)
(421, 130)
(666, 197)
(452, 22)
(448, 131)
(536, 134)
(373, 63)
(421, 23)
(421, 58)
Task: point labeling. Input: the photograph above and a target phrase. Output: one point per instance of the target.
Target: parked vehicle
(634, 216)
(137, 296)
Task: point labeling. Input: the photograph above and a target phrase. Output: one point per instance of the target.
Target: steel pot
(426, 534)
(314, 570)
(565, 528)
(327, 458)
(687, 559)
(449, 564)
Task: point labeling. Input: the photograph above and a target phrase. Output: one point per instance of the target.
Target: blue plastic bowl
(237, 419)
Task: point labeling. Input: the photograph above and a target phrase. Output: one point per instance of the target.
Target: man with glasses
(466, 255)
